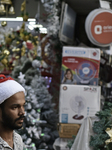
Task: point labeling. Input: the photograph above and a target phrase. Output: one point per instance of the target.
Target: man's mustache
(21, 117)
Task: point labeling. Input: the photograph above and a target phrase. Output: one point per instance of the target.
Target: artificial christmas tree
(40, 126)
(23, 46)
(102, 128)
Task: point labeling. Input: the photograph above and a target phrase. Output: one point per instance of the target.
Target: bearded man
(12, 101)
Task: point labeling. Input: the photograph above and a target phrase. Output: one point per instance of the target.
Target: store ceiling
(80, 6)
(84, 6)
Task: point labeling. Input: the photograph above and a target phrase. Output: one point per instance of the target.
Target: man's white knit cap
(8, 87)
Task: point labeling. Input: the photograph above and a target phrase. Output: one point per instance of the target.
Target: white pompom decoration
(36, 63)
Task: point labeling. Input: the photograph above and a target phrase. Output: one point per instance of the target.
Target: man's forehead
(17, 98)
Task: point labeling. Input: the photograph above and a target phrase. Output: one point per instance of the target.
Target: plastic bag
(83, 137)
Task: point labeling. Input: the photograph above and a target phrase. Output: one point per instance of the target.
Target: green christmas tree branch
(99, 127)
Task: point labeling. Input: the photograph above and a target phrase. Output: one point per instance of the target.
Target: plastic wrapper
(82, 139)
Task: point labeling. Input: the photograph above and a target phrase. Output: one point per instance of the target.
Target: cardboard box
(80, 65)
(78, 102)
(68, 130)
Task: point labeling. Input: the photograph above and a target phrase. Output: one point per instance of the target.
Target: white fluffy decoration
(21, 78)
(36, 63)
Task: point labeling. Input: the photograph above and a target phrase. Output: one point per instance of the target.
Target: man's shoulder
(17, 136)
(18, 142)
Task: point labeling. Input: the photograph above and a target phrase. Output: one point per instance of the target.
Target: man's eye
(14, 107)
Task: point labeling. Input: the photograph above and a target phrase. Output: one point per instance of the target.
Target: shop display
(80, 65)
(78, 102)
(98, 26)
(35, 62)
(16, 44)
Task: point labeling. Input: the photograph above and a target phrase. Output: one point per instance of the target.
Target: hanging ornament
(25, 17)
(17, 49)
(6, 52)
(6, 2)
(4, 62)
(11, 10)
(23, 6)
(35, 37)
(29, 44)
(3, 23)
(27, 37)
(22, 28)
(8, 40)
(35, 52)
(109, 132)
(2, 9)
(17, 57)
(23, 49)
(37, 42)
(12, 36)
(17, 42)
(14, 50)
(22, 36)
(23, 10)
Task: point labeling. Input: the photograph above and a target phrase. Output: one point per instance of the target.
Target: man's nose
(21, 111)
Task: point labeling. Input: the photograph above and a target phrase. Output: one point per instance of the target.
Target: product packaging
(78, 102)
(80, 65)
(68, 130)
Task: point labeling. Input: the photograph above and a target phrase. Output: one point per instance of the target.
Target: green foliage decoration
(97, 142)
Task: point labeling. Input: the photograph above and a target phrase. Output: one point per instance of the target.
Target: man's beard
(10, 122)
